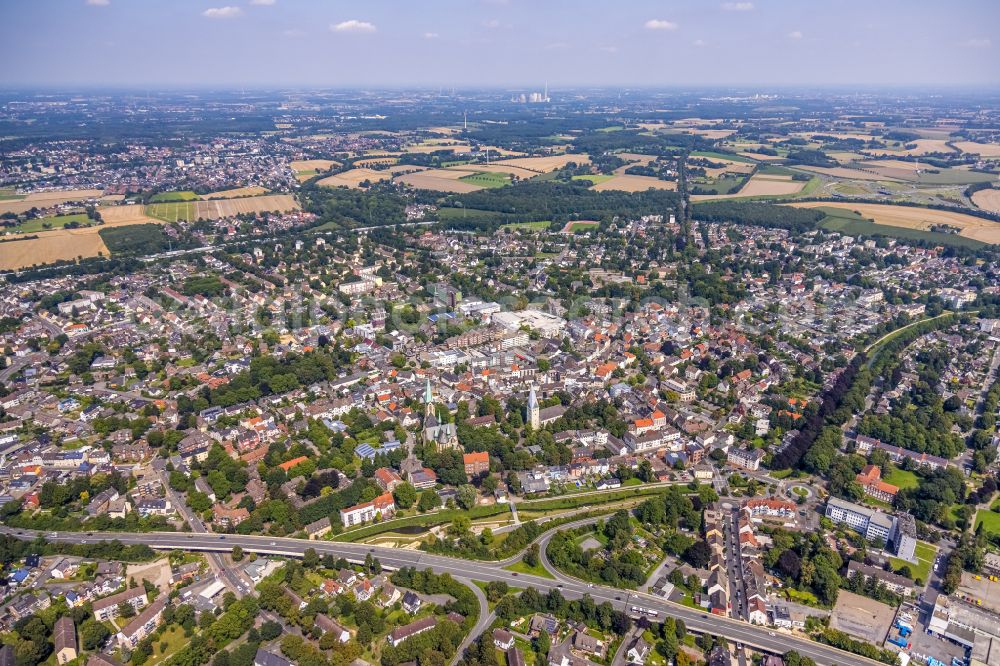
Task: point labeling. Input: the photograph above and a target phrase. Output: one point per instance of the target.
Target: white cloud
(431, 35)
(699, 43)
(737, 6)
(492, 24)
(795, 34)
(98, 3)
(556, 46)
(292, 32)
(610, 49)
(978, 43)
(263, 3)
(222, 12)
(353, 25)
(660, 24)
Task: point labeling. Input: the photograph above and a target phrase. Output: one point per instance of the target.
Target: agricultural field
(915, 218)
(46, 248)
(253, 191)
(545, 164)
(629, 183)
(45, 224)
(180, 211)
(306, 169)
(987, 200)
(760, 185)
(920, 147)
(595, 179)
(354, 177)
(441, 180)
(9, 194)
(127, 214)
(487, 179)
(46, 199)
(982, 149)
(372, 162)
(182, 195)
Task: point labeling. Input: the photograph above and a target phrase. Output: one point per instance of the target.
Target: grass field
(721, 156)
(183, 195)
(901, 479)
(531, 226)
(173, 212)
(47, 223)
(852, 224)
(487, 179)
(596, 179)
(925, 554)
(521, 567)
(990, 520)
(10, 194)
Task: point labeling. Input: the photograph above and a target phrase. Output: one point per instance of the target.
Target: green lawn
(173, 212)
(580, 227)
(595, 178)
(521, 567)
(901, 478)
(925, 554)
(182, 195)
(990, 520)
(9, 194)
(532, 226)
(487, 179)
(54, 222)
(174, 638)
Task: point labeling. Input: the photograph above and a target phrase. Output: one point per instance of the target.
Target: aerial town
(499, 377)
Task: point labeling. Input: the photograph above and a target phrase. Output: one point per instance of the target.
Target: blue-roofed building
(391, 445)
(20, 576)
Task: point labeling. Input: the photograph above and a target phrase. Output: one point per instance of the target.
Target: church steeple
(428, 399)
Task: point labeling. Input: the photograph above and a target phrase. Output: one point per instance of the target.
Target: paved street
(392, 558)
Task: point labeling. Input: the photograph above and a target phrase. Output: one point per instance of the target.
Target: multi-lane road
(393, 558)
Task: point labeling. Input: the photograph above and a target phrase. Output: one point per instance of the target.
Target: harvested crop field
(759, 185)
(118, 215)
(497, 167)
(912, 217)
(544, 164)
(254, 191)
(987, 200)
(628, 183)
(180, 211)
(920, 147)
(441, 180)
(354, 178)
(47, 199)
(369, 162)
(313, 165)
(984, 149)
(435, 147)
(49, 247)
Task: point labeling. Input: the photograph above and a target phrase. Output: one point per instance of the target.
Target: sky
(498, 43)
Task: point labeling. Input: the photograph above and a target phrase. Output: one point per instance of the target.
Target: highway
(391, 558)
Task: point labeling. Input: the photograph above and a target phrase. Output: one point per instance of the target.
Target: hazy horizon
(497, 44)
